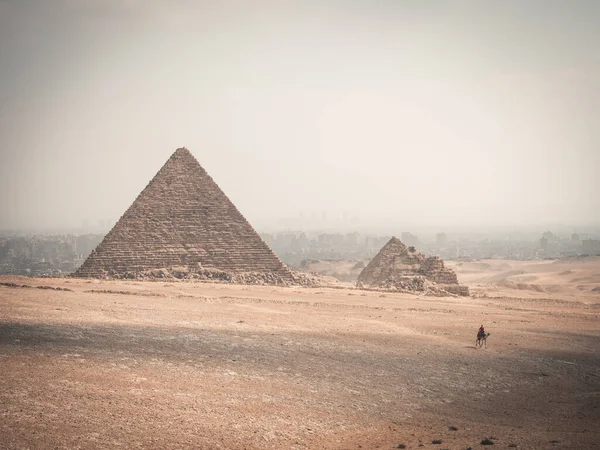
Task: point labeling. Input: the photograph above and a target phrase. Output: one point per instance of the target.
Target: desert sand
(126, 364)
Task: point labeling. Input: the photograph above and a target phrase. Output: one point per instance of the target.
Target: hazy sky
(413, 112)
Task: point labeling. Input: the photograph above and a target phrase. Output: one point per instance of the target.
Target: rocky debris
(183, 219)
(405, 283)
(110, 291)
(456, 289)
(314, 280)
(26, 286)
(399, 268)
(198, 273)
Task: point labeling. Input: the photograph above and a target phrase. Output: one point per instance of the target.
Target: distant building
(303, 243)
(352, 239)
(410, 240)
(590, 246)
(575, 237)
(441, 239)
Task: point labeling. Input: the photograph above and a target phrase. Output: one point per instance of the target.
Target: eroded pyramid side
(397, 267)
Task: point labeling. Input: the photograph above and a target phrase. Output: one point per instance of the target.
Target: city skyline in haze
(428, 114)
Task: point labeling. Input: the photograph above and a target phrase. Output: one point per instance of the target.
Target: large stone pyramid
(397, 267)
(183, 220)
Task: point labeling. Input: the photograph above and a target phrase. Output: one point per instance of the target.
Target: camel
(482, 339)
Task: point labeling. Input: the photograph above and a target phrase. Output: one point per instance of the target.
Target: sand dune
(572, 278)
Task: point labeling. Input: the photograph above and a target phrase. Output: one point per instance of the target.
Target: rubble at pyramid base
(221, 276)
(416, 284)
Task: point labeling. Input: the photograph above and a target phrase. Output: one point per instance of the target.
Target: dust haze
(429, 113)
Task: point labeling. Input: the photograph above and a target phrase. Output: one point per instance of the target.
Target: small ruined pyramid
(183, 220)
(396, 267)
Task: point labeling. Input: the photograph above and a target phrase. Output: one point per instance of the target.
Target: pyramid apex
(182, 150)
(395, 240)
(182, 154)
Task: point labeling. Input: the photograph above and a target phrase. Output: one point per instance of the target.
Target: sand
(127, 364)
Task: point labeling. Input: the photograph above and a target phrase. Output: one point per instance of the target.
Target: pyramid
(398, 267)
(183, 220)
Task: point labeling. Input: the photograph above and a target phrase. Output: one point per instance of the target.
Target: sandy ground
(343, 271)
(194, 365)
(573, 278)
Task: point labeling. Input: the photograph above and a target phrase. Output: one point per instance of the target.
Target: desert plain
(176, 364)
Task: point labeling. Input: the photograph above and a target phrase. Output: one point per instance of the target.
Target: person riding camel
(481, 332)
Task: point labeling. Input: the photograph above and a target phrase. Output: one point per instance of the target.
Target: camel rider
(481, 332)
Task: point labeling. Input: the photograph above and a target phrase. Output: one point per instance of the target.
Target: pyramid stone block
(182, 219)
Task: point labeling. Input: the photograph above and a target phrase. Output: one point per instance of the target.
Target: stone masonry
(183, 220)
(395, 267)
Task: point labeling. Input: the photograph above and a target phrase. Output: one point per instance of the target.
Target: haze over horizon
(424, 113)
